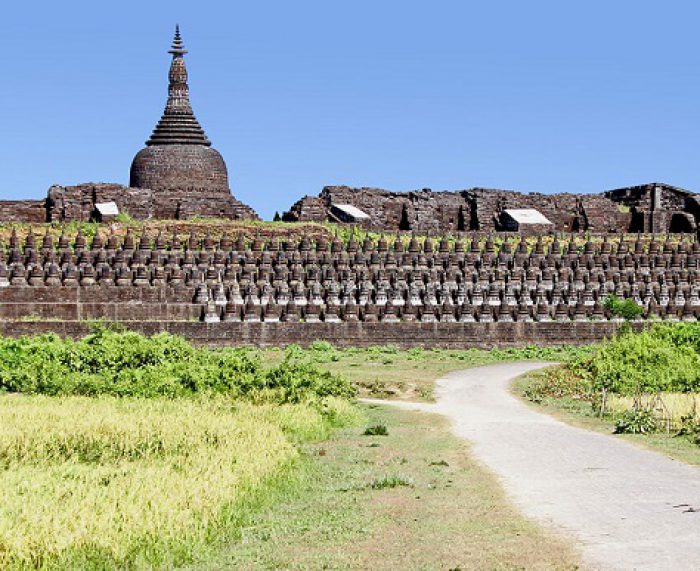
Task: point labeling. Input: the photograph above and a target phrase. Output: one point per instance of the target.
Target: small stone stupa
(186, 175)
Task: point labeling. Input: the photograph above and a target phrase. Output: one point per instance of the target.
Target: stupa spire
(177, 48)
(178, 125)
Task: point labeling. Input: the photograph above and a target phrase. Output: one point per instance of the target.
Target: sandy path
(628, 507)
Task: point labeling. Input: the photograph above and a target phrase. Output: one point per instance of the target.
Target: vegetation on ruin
(200, 227)
(643, 383)
(625, 308)
(295, 231)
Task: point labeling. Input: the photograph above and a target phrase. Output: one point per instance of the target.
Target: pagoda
(185, 174)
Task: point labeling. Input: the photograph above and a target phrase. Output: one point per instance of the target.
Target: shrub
(679, 334)
(376, 430)
(296, 380)
(625, 308)
(322, 346)
(640, 421)
(690, 428)
(119, 363)
(321, 352)
(647, 362)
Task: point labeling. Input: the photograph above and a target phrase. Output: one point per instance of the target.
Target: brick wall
(77, 202)
(32, 211)
(405, 335)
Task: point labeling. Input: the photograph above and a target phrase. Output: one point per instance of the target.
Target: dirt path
(628, 507)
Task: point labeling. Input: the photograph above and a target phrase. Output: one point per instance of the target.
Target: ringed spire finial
(178, 125)
(177, 49)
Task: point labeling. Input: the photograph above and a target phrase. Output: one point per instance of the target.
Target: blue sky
(533, 96)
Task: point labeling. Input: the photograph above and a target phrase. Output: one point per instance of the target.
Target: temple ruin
(655, 207)
(178, 175)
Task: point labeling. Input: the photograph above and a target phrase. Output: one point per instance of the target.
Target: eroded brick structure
(658, 207)
(648, 208)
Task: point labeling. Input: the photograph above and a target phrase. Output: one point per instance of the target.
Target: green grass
(411, 500)
(390, 373)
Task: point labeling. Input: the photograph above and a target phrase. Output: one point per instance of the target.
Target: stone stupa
(186, 175)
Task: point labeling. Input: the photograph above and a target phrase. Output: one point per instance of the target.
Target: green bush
(321, 352)
(376, 430)
(639, 421)
(662, 358)
(679, 334)
(125, 364)
(625, 308)
(296, 380)
(690, 428)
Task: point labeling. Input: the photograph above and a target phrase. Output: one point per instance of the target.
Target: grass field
(390, 373)
(93, 483)
(580, 412)
(125, 452)
(413, 499)
(672, 408)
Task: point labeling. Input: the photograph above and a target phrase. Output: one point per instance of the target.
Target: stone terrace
(431, 293)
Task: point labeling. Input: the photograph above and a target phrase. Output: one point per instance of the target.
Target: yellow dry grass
(666, 406)
(113, 477)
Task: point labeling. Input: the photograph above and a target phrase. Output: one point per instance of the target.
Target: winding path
(629, 508)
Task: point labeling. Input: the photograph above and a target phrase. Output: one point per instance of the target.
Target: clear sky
(532, 96)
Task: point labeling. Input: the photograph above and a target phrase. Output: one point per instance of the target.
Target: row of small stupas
(178, 175)
(333, 280)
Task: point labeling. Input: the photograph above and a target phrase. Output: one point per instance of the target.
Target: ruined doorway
(404, 223)
(681, 223)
